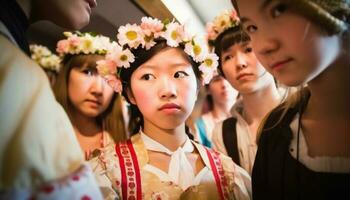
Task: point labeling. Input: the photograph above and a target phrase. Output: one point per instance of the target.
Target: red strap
(130, 171)
(216, 168)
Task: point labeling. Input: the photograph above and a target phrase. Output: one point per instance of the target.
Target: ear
(130, 96)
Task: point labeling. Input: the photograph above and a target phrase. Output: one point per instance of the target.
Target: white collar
(180, 170)
(153, 145)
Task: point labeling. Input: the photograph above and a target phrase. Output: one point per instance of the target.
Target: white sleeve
(242, 184)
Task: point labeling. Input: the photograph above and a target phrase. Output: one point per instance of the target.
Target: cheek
(230, 73)
(190, 92)
(143, 97)
(108, 95)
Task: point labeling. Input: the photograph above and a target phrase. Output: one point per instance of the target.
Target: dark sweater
(278, 175)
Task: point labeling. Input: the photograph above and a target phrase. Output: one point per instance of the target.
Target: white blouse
(180, 169)
(318, 163)
(246, 144)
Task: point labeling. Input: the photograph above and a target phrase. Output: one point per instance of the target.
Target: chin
(170, 124)
(74, 21)
(78, 23)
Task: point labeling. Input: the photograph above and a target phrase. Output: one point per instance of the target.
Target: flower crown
(227, 19)
(83, 43)
(44, 57)
(146, 36)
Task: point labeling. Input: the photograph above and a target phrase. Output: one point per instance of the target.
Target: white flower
(209, 67)
(83, 43)
(87, 44)
(148, 42)
(131, 35)
(45, 58)
(197, 48)
(126, 57)
(173, 34)
(227, 19)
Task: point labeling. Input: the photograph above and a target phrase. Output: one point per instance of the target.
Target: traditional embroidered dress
(126, 170)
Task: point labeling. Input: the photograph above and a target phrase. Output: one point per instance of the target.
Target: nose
(240, 61)
(98, 85)
(265, 44)
(167, 88)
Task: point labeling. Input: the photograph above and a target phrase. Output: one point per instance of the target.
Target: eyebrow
(264, 4)
(180, 64)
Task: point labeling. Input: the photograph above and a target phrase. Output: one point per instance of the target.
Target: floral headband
(44, 57)
(227, 19)
(83, 43)
(146, 36)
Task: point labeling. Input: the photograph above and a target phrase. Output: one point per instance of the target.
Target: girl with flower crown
(304, 147)
(236, 136)
(92, 106)
(159, 69)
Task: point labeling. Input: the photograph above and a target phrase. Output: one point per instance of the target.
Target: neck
(170, 138)
(257, 104)
(330, 94)
(26, 6)
(84, 126)
(222, 111)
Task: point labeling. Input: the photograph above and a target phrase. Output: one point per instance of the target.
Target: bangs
(231, 37)
(83, 61)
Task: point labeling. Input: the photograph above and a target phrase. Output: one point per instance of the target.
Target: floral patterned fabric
(79, 185)
(108, 174)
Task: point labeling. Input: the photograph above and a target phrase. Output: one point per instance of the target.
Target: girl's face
(221, 90)
(87, 91)
(243, 70)
(292, 48)
(164, 88)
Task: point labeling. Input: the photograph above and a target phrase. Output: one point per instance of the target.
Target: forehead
(249, 9)
(236, 47)
(167, 57)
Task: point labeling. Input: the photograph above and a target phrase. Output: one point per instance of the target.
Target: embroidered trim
(218, 172)
(130, 171)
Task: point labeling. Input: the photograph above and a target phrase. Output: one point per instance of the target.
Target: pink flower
(211, 34)
(234, 15)
(151, 25)
(74, 40)
(114, 82)
(106, 67)
(62, 46)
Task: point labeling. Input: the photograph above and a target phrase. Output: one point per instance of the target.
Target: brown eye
(90, 72)
(277, 10)
(228, 57)
(147, 77)
(251, 29)
(248, 50)
(180, 74)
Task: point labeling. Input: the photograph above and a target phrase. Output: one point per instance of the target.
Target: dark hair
(141, 56)
(226, 39)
